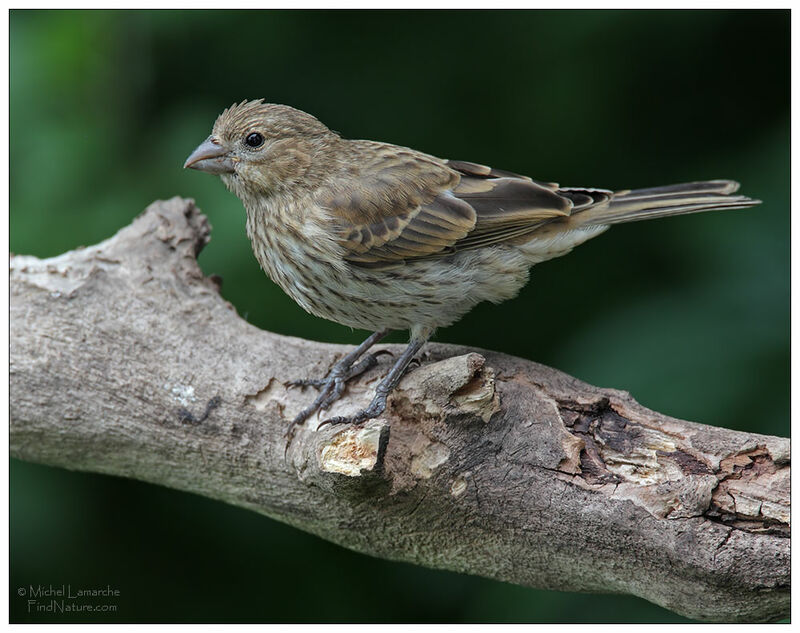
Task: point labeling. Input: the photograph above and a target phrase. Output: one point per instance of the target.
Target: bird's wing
(395, 205)
(510, 207)
(402, 206)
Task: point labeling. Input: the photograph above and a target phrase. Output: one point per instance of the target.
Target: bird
(381, 237)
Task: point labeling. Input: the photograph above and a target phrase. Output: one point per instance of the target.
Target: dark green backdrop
(691, 314)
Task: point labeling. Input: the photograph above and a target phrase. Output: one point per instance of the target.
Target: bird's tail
(660, 202)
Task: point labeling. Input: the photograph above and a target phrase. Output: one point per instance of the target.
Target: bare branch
(125, 360)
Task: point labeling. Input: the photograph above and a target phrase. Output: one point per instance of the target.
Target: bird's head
(259, 148)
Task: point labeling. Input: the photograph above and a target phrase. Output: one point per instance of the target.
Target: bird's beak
(211, 158)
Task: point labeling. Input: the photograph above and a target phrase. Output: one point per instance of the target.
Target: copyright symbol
(21, 591)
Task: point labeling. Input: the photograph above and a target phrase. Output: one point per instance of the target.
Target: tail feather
(658, 202)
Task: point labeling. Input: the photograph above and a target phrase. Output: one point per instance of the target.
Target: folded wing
(406, 206)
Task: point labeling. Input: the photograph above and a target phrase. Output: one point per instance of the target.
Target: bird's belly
(422, 295)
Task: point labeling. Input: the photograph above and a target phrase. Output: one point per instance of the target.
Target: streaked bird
(381, 237)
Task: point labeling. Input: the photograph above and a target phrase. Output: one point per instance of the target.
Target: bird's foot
(386, 386)
(317, 383)
(339, 375)
(367, 363)
(376, 407)
(332, 387)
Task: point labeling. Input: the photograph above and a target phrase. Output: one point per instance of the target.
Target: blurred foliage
(691, 315)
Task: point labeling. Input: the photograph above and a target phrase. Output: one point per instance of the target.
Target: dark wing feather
(405, 206)
(511, 207)
(476, 170)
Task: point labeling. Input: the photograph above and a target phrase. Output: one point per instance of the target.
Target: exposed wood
(126, 360)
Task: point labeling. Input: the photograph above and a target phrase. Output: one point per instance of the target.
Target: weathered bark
(125, 360)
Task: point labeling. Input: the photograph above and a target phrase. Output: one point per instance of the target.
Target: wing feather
(397, 207)
(403, 206)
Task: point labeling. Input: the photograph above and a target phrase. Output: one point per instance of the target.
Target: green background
(690, 314)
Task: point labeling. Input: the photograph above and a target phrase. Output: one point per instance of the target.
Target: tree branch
(125, 360)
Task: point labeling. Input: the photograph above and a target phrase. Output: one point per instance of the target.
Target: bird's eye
(254, 139)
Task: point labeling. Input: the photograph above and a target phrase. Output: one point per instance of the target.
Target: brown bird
(382, 237)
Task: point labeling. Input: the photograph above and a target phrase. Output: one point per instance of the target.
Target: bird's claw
(335, 394)
(376, 407)
(317, 383)
(380, 352)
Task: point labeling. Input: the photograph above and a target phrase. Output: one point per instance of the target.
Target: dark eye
(254, 139)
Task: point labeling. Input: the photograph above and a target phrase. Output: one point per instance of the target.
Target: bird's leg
(365, 364)
(378, 404)
(332, 386)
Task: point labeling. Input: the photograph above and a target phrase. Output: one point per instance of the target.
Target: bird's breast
(294, 256)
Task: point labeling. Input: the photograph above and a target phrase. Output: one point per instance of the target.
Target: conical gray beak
(211, 158)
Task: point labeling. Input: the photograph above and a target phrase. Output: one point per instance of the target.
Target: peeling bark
(125, 360)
